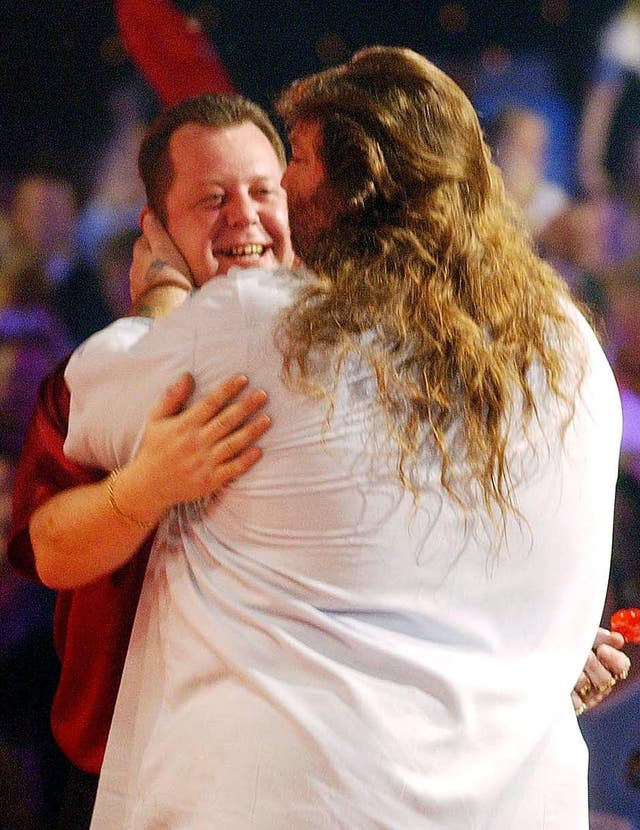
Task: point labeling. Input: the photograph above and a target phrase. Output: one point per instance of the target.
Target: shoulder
(257, 293)
(93, 360)
(120, 335)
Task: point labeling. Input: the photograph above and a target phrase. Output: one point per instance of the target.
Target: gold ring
(605, 687)
(583, 691)
(623, 675)
(581, 709)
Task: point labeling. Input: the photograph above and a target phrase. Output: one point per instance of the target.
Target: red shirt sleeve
(43, 470)
(92, 625)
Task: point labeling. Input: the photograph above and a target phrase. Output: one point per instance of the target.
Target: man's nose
(241, 210)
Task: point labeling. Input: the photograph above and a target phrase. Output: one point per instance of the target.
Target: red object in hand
(626, 621)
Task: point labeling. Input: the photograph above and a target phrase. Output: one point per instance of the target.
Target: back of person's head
(400, 140)
(208, 110)
(427, 252)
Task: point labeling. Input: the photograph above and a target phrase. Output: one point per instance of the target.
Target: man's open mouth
(254, 249)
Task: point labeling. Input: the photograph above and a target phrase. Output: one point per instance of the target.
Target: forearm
(159, 279)
(81, 534)
(88, 531)
(158, 301)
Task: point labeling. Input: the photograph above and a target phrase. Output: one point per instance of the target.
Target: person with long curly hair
(380, 624)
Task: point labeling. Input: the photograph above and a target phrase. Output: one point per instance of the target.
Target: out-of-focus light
(453, 18)
(496, 59)
(112, 51)
(331, 49)
(555, 12)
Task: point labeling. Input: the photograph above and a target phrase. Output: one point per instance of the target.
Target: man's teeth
(245, 250)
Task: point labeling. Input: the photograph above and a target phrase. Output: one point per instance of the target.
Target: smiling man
(212, 168)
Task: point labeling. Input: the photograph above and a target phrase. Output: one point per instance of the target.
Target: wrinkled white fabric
(311, 651)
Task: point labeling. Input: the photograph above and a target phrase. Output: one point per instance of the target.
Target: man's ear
(143, 213)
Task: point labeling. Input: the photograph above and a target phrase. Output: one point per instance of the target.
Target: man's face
(312, 204)
(225, 205)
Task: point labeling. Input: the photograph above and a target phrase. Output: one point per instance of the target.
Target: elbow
(46, 570)
(50, 570)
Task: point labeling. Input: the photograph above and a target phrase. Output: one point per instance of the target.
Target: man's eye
(213, 200)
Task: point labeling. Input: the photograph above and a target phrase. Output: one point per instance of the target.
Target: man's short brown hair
(215, 111)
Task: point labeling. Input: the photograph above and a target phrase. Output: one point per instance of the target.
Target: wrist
(131, 502)
(158, 300)
(159, 276)
(161, 272)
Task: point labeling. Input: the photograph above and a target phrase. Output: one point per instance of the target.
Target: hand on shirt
(189, 454)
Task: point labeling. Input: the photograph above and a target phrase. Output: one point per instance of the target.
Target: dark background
(59, 59)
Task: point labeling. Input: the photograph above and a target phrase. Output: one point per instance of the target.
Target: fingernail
(258, 396)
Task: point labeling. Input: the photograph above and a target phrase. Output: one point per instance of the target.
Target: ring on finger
(584, 690)
(605, 687)
(581, 709)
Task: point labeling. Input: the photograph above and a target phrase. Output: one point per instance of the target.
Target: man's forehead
(202, 135)
(241, 146)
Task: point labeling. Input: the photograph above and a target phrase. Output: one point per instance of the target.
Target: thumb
(152, 228)
(173, 399)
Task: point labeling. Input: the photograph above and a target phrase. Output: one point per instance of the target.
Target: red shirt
(92, 625)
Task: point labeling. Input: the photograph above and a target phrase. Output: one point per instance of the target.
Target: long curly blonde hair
(429, 254)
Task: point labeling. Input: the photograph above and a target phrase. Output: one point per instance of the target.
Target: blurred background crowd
(558, 92)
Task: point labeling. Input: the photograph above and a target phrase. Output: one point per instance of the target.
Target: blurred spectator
(613, 747)
(31, 343)
(113, 268)
(625, 562)
(607, 821)
(519, 138)
(44, 216)
(117, 195)
(502, 80)
(32, 340)
(622, 285)
(590, 238)
(31, 766)
(609, 148)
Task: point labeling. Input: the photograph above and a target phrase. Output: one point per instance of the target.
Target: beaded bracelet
(113, 475)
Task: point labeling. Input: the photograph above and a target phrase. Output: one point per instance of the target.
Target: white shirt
(310, 650)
